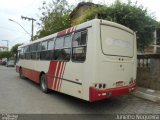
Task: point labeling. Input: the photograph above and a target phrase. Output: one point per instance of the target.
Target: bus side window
(27, 52)
(63, 48)
(58, 54)
(43, 52)
(38, 51)
(33, 51)
(19, 54)
(50, 49)
(79, 46)
(47, 49)
(67, 48)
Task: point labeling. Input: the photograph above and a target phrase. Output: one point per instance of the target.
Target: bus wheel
(43, 83)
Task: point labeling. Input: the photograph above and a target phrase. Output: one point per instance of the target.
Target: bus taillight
(100, 85)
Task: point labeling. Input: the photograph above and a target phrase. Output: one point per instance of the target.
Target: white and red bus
(92, 61)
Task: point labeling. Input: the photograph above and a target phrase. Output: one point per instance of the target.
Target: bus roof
(80, 26)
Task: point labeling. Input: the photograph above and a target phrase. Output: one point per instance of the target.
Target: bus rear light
(100, 85)
(104, 85)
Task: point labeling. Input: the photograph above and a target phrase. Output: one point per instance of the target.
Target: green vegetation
(5, 54)
(55, 17)
(14, 49)
(10, 54)
(131, 15)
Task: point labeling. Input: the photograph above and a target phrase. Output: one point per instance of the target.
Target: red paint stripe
(72, 29)
(56, 72)
(52, 71)
(57, 75)
(58, 79)
(66, 31)
(61, 33)
(62, 76)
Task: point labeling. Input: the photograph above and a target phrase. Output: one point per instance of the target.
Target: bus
(92, 61)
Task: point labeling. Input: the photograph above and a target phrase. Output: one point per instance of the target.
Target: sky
(14, 9)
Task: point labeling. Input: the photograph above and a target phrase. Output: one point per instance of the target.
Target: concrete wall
(148, 71)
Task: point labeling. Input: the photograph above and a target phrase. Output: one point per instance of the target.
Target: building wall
(80, 12)
(148, 71)
(3, 48)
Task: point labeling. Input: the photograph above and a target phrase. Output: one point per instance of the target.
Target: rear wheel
(43, 83)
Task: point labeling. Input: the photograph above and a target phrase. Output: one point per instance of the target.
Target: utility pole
(30, 19)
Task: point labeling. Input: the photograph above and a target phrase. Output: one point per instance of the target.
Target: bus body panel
(106, 72)
(115, 62)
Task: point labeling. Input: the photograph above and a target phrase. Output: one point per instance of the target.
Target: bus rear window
(116, 41)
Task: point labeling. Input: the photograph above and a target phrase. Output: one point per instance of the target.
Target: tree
(14, 51)
(14, 48)
(5, 54)
(55, 17)
(128, 14)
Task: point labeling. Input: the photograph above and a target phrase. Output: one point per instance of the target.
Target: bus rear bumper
(95, 94)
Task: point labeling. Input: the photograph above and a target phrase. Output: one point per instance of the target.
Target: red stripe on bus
(62, 76)
(61, 33)
(54, 78)
(57, 75)
(66, 31)
(70, 30)
(51, 71)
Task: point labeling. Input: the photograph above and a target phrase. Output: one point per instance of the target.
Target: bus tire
(43, 83)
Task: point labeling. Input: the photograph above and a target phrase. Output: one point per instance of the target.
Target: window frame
(79, 46)
(47, 50)
(63, 48)
(21, 52)
(27, 52)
